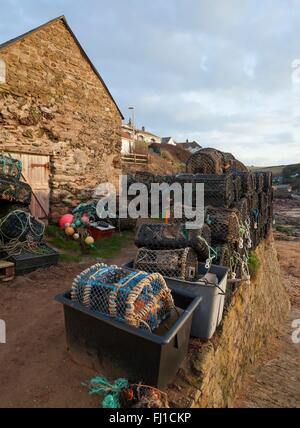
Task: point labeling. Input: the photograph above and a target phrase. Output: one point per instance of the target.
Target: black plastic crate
(26, 261)
(105, 344)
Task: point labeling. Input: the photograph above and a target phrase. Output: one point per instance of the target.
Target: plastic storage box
(209, 313)
(103, 343)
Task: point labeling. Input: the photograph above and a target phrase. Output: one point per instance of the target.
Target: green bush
(253, 265)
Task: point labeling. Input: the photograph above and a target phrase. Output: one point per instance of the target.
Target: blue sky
(217, 71)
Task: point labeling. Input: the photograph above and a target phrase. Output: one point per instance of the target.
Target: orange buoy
(69, 231)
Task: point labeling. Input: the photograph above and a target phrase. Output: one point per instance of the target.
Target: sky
(221, 72)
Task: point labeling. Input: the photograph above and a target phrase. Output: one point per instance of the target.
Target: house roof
(165, 140)
(191, 144)
(62, 19)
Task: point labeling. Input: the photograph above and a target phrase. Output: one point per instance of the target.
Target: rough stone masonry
(54, 103)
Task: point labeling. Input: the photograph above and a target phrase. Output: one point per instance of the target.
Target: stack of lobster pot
(171, 249)
(14, 194)
(21, 235)
(237, 213)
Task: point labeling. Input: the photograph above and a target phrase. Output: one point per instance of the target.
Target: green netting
(10, 167)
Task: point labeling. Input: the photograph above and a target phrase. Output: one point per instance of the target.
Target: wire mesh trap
(260, 180)
(20, 225)
(10, 168)
(224, 224)
(179, 263)
(157, 236)
(136, 298)
(15, 191)
(268, 181)
(237, 182)
(248, 182)
(243, 208)
(219, 190)
(205, 161)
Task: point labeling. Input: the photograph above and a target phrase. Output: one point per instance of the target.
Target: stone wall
(54, 103)
(214, 371)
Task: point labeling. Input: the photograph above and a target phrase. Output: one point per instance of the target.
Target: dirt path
(275, 380)
(35, 368)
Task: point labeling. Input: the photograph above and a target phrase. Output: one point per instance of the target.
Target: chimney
(143, 128)
(187, 141)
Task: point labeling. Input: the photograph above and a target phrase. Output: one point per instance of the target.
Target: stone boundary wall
(214, 371)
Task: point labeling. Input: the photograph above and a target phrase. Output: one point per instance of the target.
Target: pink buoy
(85, 219)
(66, 219)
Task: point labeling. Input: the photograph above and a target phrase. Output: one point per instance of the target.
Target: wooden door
(36, 173)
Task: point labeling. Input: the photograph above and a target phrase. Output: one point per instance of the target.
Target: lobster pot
(253, 201)
(248, 182)
(218, 189)
(270, 214)
(223, 255)
(8, 207)
(22, 226)
(174, 236)
(15, 191)
(237, 182)
(10, 168)
(270, 196)
(224, 224)
(260, 180)
(136, 298)
(237, 166)
(243, 208)
(268, 179)
(180, 263)
(228, 158)
(205, 161)
(263, 205)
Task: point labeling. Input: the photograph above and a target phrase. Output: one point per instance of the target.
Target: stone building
(58, 116)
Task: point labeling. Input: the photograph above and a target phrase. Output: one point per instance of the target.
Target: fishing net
(237, 182)
(218, 189)
(157, 236)
(260, 180)
(8, 207)
(10, 168)
(263, 206)
(20, 225)
(224, 224)
(180, 263)
(136, 298)
(268, 178)
(243, 208)
(270, 196)
(205, 161)
(223, 254)
(237, 166)
(15, 191)
(248, 182)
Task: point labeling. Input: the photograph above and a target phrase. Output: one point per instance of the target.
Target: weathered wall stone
(53, 103)
(213, 372)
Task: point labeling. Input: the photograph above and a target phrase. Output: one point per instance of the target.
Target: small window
(2, 71)
(140, 138)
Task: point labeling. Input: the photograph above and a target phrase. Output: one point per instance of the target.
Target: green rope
(100, 386)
